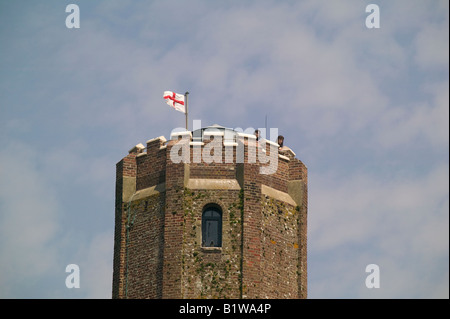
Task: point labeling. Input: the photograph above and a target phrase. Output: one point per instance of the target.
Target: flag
(175, 100)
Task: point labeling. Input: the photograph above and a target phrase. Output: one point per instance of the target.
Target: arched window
(212, 226)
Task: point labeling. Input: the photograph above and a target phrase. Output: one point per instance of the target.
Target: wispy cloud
(28, 222)
(366, 110)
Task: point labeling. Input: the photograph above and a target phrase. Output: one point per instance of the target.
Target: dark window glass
(212, 227)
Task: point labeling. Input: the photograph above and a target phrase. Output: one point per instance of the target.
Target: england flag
(175, 100)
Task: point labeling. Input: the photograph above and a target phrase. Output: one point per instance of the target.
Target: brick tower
(198, 217)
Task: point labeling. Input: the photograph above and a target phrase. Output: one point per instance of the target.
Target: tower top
(210, 227)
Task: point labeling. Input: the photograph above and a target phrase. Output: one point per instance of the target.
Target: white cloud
(95, 259)
(401, 224)
(432, 49)
(362, 203)
(403, 126)
(28, 223)
(35, 241)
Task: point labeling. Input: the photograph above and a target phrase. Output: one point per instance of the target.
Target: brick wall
(280, 249)
(151, 166)
(144, 248)
(173, 227)
(125, 175)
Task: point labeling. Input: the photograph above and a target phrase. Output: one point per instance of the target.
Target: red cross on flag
(175, 100)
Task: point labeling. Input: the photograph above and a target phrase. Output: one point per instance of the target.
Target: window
(212, 226)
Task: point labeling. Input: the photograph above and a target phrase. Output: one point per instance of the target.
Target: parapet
(216, 153)
(139, 148)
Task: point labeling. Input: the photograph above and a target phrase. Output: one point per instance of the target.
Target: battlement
(216, 154)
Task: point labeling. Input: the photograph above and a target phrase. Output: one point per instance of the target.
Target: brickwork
(158, 250)
(279, 179)
(251, 270)
(280, 243)
(151, 166)
(144, 261)
(173, 228)
(125, 175)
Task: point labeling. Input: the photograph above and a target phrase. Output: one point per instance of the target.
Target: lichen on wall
(279, 249)
(211, 272)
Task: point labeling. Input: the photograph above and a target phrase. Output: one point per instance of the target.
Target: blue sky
(365, 109)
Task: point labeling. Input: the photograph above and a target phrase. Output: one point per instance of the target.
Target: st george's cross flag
(175, 100)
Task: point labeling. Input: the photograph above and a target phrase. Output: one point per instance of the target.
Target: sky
(366, 110)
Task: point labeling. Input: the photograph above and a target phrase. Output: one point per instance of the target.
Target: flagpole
(267, 133)
(186, 99)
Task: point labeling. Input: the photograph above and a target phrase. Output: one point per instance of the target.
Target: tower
(212, 213)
